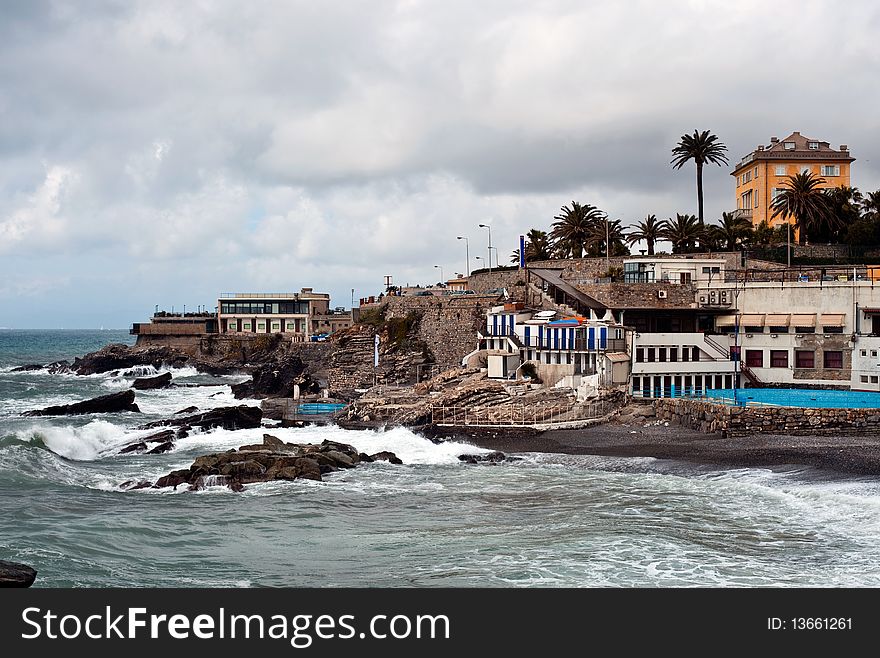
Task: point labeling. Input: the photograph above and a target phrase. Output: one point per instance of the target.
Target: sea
(546, 520)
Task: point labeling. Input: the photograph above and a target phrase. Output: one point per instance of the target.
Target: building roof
(777, 150)
(617, 357)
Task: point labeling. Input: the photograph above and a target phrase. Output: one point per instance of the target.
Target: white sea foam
(84, 443)
(410, 447)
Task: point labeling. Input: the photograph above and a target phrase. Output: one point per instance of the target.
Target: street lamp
(495, 249)
(441, 272)
(467, 255)
(489, 250)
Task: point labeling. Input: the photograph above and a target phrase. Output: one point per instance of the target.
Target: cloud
(219, 146)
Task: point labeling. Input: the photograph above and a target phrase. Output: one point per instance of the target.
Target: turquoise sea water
(798, 397)
(546, 520)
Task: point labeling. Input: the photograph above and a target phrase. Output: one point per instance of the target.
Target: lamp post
(495, 249)
(467, 255)
(441, 272)
(607, 243)
(489, 250)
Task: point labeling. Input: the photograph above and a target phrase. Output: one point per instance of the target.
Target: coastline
(851, 455)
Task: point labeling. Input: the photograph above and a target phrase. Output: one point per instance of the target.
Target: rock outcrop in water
(147, 383)
(113, 403)
(117, 356)
(13, 574)
(229, 418)
(271, 460)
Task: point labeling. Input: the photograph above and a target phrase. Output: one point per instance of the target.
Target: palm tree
(703, 148)
(684, 232)
(648, 230)
(613, 231)
(573, 228)
(871, 205)
(732, 232)
(537, 247)
(803, 198)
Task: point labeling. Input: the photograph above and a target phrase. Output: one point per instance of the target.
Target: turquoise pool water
(798, 397)
(318, 408)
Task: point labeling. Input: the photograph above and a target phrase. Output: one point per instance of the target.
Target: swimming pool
(318, 408)
(798, 397)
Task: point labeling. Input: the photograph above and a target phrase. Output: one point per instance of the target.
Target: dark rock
(236, 486)
(173, 479)
(120, 357)
(140, 444)
(229, 418)
(147, 383)
(182, 432)
(386, 456)
(115, 402)
(188, 410)
(13, 574)
(28, 368)
(269, 440)
(131, 485)
(365, 458)
(342, 460)
(243, 469)
(489, 458)
(162, 447)
(276, 378)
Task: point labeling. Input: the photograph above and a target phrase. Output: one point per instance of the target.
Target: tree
(573, 229)
(703, 148)
(537, 247)
(683, 232)
(615, 235)
(871, 205)
(846, 209)
(647, 231)
(732, 232)
(803, 199)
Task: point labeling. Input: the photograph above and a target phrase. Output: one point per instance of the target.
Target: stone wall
(748, 421)
(484, 281)
(448, 325)
(642, 295)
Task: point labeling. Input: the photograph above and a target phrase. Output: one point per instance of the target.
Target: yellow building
(761, 174)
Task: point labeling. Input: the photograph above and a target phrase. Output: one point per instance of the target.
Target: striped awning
(832, 319)
(752, 320)
(725, 321)
(871, 311)
(777, 319)
(803, 320)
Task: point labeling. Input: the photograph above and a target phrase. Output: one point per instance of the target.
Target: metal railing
(518, 414)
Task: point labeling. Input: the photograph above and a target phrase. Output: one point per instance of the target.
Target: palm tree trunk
(700, 192)
(650, 247)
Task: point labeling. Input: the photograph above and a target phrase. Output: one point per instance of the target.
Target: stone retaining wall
(744, 421)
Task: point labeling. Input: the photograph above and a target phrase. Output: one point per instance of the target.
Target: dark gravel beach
(847, 454)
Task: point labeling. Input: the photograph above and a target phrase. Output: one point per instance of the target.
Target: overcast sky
(165, 152)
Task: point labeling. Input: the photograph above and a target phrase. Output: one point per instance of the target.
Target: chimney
(843, 147)
(760, 147)
(774, 140)
(796, 133)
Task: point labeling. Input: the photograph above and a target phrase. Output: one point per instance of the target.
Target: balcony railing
(742, 213)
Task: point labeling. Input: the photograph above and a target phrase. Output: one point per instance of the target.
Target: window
(291, 326)
(776, 192)
(684, 277)
(640, 355)
(833, 359)
(685, 354)
(755, 358)
(673, 354)
(831, 170)
(246, 326)
(833, 330)
(789, 146)
(637, 383)
(779, 358)
(754, 330)
(874, 353)
(661, 354)
(778, 330)
(805, 330)
(695, 354)
(755, 197)
(650, 354)
(804, 359)
(746, 177)
(874, 379)
(735, 352)
(864, 352)
(780, 170)
(756, 172)
(864, 379)
(813, 146)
